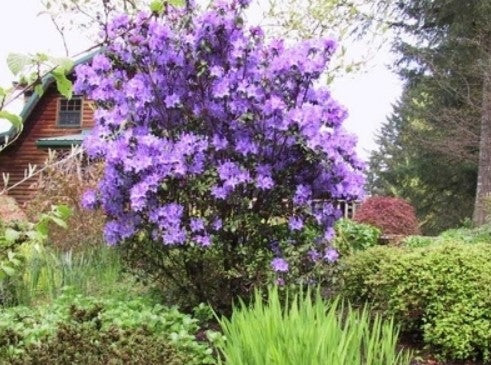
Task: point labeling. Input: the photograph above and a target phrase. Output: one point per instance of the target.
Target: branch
(32, 172)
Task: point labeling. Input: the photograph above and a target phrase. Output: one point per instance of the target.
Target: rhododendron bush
(215, 139)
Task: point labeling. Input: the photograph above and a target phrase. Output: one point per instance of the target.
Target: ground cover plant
(441, 292)
(215, 142)
(308, 330)
(76, 329)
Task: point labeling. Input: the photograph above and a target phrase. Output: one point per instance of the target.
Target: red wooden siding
(41, 123)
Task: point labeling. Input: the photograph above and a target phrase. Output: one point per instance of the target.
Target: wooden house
(50, 122)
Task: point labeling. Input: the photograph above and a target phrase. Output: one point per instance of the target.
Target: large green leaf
(16, 62)
(12, 118)
(64, 63)
(39, 90)
(157, 6)
(64, 86)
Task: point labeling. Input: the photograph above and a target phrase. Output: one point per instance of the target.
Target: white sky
(368, 96)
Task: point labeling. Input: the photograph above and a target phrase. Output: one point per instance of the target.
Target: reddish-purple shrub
(391, 215)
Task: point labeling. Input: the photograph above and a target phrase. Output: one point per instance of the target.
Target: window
(70, 112)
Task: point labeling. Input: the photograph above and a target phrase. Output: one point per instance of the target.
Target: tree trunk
(482, 206)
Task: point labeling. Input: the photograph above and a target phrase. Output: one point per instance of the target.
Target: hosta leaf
(66, 64)
(64, 86)
(16, 62)
(12, 118)
(39, 90)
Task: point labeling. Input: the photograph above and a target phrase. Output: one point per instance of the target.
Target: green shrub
(468, 235)
(441, 291)
(306, 331)
(74, 327)
(352, 236)
(189, 275)
(418, 241)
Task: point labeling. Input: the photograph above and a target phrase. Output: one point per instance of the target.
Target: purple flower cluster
(279, 265)
(201, 122)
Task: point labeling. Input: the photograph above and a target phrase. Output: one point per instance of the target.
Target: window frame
(59, 111)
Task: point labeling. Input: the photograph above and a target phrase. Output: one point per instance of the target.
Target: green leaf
(11, 235)
(12, 118)
(66, 64)
(8, 270)
(38, 89)
(42, 228)
(63, 211)
(157, 6)
(60, 222)
(16, 62)
(64, 86)
(177, 3)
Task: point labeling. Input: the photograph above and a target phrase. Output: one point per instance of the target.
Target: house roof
(62, 141)
(35, 98)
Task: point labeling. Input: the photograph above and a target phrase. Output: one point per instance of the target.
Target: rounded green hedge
(443, 291)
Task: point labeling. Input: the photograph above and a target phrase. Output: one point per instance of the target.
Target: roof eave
(57, 144)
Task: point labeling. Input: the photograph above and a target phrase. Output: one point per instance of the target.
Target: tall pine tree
(429, 149)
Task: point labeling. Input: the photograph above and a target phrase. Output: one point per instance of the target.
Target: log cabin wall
(41, 123)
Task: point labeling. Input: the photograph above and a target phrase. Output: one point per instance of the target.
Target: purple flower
(331, 255)
(329, 234)
(314, 255)
(295, 223)
(219, 142)
(173, 100)
(210, 118)
(219, 192)
(197, 224)
(167, 215)
(279, 265)
(264, 182)
(89, 200)
(244, 3)
(302, 195)
(245, 146)
(217, 224)
(203, 240)
(174, 235)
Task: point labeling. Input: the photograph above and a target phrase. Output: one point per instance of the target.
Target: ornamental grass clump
(215, 142)
(307, 330)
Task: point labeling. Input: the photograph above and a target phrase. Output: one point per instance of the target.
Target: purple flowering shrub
(215, 143)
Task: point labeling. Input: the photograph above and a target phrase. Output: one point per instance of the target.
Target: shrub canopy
(211, 134)
(392, 215)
